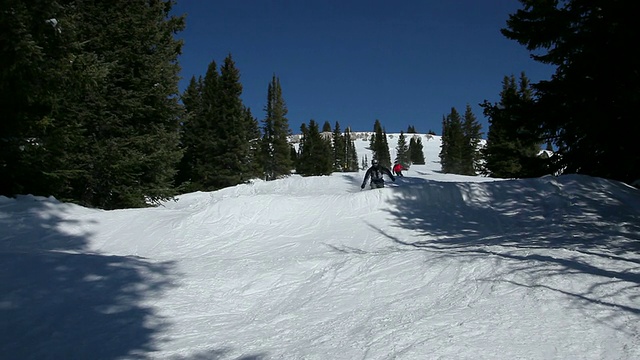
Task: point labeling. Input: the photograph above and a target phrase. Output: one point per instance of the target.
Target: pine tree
(351, 155)
(256, 165)
(379, 145)
(301, 165)
(415, 150)
(339, 149)
(453, 144)
(596, 82)
(276, 150)
(121, 124)
(512, 148)
(315, 155)
(326, 127)
(200, 132)
(472, 134)
(402, 151)
(40, 146)
(385, 156)
(189, 135)
(232, 137)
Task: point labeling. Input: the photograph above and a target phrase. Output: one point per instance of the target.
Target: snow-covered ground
(434, 266)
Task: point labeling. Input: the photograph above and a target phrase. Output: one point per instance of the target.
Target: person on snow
(397, 169)
(375, 172)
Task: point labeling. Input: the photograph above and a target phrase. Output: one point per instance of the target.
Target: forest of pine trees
(90, 101)
(508, 153)
(322, 155)
(460, 151)
(92, 113)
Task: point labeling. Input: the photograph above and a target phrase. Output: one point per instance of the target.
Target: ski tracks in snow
(342, 280)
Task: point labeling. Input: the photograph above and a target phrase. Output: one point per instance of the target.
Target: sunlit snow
(434, 266)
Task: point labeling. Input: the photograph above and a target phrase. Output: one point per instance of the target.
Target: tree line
(584, 113)
(89, 101)
(92, 113)
(586, 110)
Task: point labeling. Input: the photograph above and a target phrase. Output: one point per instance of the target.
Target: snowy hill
(434, 266)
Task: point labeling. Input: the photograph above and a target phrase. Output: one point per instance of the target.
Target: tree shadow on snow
(218, 355)
(596, 221)
(60, 301)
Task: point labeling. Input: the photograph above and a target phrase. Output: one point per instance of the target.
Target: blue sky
(402, 62)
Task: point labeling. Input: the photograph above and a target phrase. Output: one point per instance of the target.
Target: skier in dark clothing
(375, 172)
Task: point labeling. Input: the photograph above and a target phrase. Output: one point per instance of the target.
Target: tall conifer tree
(472, 134)
(415, 150)
(189, 134)
(589, 105)
(351, 153)
(402, 151)
(133, 117)
(232, 131)
(453, 143)
(113, 136)
(339, 149)
(379, 145)
(200, 133)
(511, 147)
(315, 157)
(276, 149)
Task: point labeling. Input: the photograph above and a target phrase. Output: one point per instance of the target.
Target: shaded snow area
(433, 266)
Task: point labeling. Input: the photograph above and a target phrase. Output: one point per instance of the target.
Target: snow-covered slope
(432, 266)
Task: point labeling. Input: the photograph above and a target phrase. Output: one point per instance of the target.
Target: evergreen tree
(385, 156)
(299, 163)
(315, 155)
(596, 82)
(326, 127)
(232, 135)
(200, 132)
(453, 143)
(339, 149)
(38, 82)
(512, 147)
(219, 134)
(416, 154)
(380, 146)
(276, 150)
(105, 131)
(256, 165)
(351, 155)
(402, 151)
(471, 130)
(411, 129)
(189, 136)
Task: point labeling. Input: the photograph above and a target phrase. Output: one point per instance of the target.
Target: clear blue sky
(403, 62)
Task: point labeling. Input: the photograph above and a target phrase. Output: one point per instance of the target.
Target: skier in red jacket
(397, 169)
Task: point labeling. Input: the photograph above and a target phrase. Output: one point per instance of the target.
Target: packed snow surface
(433, 266)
